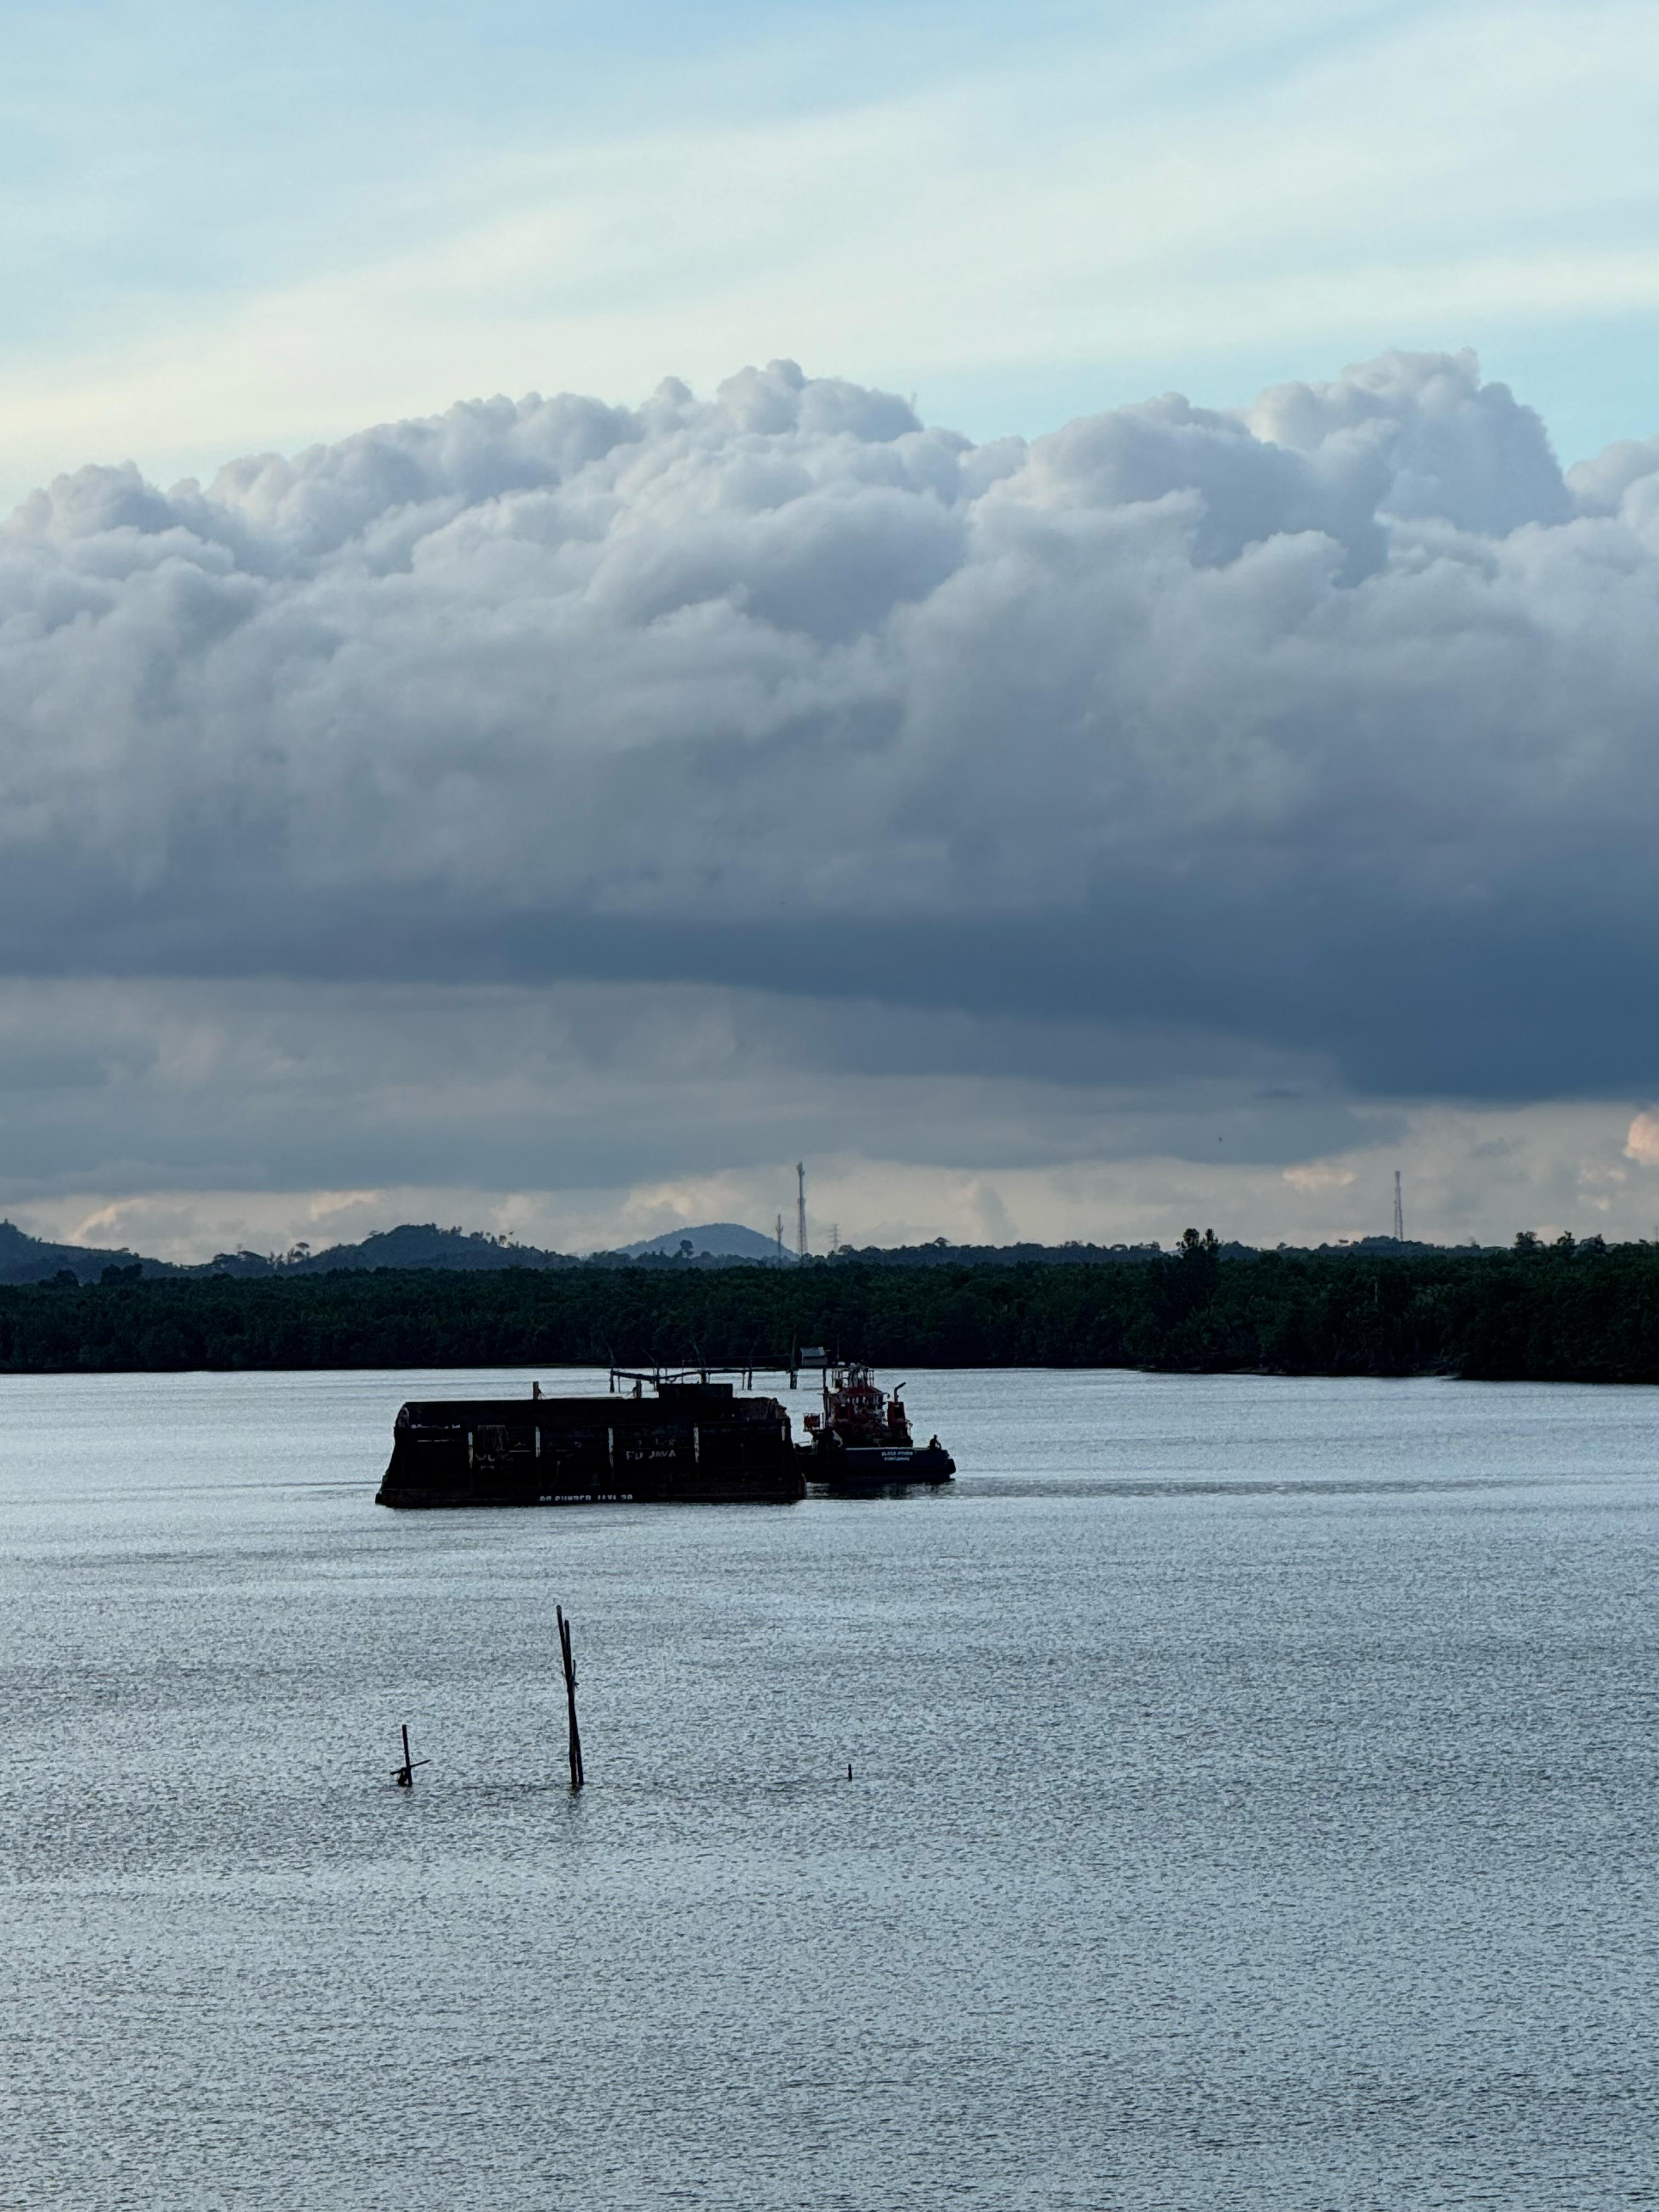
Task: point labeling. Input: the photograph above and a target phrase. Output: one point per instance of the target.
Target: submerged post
(403, 1776)
(576, 1777)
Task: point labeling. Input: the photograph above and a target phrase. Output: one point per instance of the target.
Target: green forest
(1565, 1312)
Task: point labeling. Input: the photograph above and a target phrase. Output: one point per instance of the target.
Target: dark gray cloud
(1329, 728)
(114, 1086)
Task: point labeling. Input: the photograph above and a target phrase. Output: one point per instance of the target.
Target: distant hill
(413, 1244)
(427, 1246)
(26, 1259)
(721, 1240)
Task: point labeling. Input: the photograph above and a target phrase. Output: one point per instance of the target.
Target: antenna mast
(780, 1240)
(1399, 1211)
(800, 1209)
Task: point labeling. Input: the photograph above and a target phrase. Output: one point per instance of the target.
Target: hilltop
(714, 1240)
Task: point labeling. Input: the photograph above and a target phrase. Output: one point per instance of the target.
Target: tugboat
(862, 1441)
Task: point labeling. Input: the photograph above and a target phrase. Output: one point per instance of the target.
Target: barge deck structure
(692, 1442)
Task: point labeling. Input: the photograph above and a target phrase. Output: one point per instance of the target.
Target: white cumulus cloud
(1327, 722)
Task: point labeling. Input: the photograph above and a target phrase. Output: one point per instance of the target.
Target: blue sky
(231, 228)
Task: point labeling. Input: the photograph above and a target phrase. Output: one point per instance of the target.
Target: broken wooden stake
(403, 1776)
(570, 1700)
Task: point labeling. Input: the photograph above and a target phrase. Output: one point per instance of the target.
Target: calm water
(1255, 1805)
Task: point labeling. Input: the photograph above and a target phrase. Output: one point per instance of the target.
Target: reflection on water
(1255, 1797)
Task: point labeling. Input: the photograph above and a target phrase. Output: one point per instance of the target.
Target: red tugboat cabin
(863, 1435)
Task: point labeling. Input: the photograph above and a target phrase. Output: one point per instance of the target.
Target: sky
(1049, 608)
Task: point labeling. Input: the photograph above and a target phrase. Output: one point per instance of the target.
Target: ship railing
(810, 1356)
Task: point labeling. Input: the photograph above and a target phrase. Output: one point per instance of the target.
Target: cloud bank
(1324, 726)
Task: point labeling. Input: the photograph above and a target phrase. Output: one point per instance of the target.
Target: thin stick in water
(576, 1776)
(403, 1776)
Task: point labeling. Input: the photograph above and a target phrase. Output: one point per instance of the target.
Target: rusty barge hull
(695, 1445)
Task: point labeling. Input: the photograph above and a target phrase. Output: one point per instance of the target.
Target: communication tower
(800, 1209)
(780, 1240)
(1399, 1211)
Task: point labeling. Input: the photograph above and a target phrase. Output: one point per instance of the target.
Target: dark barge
(690, 1443)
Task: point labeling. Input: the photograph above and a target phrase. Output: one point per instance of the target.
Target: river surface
(1254, 1807)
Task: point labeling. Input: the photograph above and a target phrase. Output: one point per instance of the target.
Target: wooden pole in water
(576, 1777)
(403, 1776)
